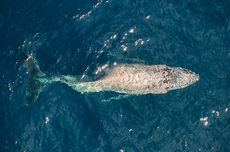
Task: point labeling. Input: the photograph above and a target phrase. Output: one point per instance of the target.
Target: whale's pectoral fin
(118, 97)
(34, 84)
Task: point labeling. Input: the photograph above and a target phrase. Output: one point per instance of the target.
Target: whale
(130, 79)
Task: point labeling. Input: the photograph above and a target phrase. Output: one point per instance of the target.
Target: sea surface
(77, 37)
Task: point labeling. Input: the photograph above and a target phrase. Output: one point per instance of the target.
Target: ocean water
(79, 37)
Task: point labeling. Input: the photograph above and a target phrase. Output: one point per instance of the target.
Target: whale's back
(141, 79)
(135, 79)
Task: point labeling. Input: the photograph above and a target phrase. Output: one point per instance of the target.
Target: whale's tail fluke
(34, 85)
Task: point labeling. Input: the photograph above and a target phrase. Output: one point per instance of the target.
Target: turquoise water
(77, 38)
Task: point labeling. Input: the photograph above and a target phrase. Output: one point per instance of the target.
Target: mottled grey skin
(137, 79)
(123, 78)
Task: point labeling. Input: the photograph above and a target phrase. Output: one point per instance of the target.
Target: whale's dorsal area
(139, 79)
(122, 78)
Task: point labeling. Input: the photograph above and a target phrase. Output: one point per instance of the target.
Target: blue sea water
(77, 37)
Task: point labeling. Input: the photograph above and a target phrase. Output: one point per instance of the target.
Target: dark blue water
(77, 37)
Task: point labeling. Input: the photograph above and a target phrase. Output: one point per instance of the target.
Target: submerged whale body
(123, 78)
(34, 85)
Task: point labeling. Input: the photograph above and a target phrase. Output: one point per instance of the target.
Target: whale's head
(183, 78)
